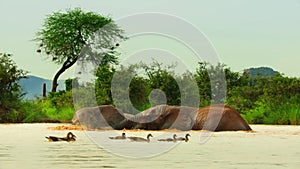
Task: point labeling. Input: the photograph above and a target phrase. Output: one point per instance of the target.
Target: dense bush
(278, 102)
(10, 91)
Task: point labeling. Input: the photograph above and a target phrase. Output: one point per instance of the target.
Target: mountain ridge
(33, 86)
(261, 72)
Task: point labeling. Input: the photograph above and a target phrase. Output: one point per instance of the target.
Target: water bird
(186, 138)
(169, 139)
(70, 137)
(119, 137)
(140, 139)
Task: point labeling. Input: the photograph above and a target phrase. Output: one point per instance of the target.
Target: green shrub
(256, 116)
(57, 106)
(272, 111)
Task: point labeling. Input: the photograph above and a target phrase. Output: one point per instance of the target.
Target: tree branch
(67, 64)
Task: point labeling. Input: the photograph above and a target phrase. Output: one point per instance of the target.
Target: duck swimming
(119, 137)
(169, 139)
(186, 138)
(70, 137)
(140, 139)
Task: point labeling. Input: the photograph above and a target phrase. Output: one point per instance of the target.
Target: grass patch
(39, 110)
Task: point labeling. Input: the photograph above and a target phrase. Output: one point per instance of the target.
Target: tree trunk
(55, 79)
(67, 64)
(44, 90)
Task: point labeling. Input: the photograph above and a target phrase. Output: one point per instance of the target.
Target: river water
(25, 146)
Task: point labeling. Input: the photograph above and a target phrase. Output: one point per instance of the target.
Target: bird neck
(186, 138)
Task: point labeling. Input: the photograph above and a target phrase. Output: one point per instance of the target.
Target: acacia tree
(74, 35)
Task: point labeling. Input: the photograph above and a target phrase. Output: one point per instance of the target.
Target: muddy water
(25, 146)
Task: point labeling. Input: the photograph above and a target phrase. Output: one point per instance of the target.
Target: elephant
(212, 118)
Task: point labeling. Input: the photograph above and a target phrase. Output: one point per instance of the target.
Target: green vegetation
(260, 99)
(10, 91)
(57, 107)
(265, 98)
(260, 95)
(278, 101)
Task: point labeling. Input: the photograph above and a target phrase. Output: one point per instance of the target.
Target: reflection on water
(25, 146)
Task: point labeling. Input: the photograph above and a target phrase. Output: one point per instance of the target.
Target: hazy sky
(245, 33)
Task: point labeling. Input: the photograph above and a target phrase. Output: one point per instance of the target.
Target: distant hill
(261, 72)
(33, 86)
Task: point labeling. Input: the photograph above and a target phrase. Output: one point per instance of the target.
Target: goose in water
(70, 137)
(186, 138)
(119, 137)
(169, 139)
(140, 139)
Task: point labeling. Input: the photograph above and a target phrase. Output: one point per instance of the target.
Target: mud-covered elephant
(213, 118)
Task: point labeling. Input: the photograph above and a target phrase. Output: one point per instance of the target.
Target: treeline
(271, 99)
(260, 98)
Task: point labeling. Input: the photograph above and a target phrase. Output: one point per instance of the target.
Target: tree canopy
(75, 35)
(10, 90)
